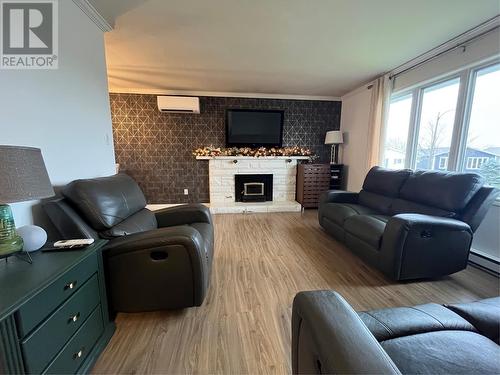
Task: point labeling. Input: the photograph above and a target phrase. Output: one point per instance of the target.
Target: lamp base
(10, 241)
(334, 154)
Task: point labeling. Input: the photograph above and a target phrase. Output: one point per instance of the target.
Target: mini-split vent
(178, 104)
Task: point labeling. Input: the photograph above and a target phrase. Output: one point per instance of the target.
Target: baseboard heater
(484, 262)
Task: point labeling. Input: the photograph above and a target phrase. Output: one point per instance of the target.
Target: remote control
(73, 243)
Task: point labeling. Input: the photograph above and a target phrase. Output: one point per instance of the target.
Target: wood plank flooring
(261, 262)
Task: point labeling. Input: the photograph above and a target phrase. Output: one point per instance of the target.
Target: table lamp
(334, 138)
(23, 177)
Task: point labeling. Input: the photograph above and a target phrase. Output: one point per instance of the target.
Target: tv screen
(254, 128)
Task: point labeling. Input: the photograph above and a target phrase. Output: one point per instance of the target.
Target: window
(482, 150)
(435, 127)
(450, 124)
(397, 132)
(475, 162)
(443, 162)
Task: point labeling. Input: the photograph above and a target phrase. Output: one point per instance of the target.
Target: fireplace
(253, 187)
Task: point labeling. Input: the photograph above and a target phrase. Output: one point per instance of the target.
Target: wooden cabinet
(337, 177)
(53, 313)
(312, 180)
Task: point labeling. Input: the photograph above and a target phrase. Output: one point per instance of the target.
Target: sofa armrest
(415, 246)
(338, 196)
(184, 214)
(181, 235)
(182, 247)
(328, 337)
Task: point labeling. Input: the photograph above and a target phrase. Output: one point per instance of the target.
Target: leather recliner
(409, 224)
(154, 261)
(329, 337)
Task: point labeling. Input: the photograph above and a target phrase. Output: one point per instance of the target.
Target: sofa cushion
(378, 202)
(368, 228)
(141, 221)
(447, 191)
(444, 352)
(385, 181)
(339, 212)
(431, 339)
(387, 324)
(105, 201)
(484, 315)
(403, 206)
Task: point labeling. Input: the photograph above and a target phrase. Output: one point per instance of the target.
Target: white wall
(65, 112)
(354, 125)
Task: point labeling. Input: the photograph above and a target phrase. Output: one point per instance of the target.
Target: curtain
(381, 92)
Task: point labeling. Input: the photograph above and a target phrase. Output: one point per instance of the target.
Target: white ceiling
(295, 47)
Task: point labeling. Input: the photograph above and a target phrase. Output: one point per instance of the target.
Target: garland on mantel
(255, 152)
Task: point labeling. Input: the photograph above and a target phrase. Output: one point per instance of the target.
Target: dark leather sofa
(329, 337)
(154, 261)
(409, 224)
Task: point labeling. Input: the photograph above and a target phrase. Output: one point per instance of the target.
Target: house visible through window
(422, 130)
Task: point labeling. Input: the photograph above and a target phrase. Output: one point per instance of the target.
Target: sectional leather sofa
(329, 337)
(409, 224)
(154, 261)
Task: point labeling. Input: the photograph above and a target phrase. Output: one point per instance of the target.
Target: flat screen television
(254, 128)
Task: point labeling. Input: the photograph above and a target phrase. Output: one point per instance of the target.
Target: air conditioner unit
(178, 104)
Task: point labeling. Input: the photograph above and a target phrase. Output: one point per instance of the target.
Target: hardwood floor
(261, 262)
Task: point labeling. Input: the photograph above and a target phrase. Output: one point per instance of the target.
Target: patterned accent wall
(156, 148)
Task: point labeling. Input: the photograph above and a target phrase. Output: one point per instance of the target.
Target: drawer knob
(70, 285)
(74, 318)
(78, 354)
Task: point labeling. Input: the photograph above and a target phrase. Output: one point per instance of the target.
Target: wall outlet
(186, 191)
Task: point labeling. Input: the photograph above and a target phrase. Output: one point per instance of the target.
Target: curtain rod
(462, 44)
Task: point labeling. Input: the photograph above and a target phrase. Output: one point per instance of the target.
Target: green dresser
(53, 313)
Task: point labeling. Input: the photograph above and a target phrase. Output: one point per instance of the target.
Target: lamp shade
(23, 176)
(334, 137)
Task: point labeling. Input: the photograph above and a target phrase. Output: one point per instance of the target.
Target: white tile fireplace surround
(222, 170)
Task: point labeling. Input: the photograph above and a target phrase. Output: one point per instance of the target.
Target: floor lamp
(334, 138)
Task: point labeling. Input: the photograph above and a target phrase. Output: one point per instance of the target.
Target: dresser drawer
(78, 348)
(41, 305)
(48, 339)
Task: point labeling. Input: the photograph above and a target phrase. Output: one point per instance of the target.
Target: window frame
(467, 79)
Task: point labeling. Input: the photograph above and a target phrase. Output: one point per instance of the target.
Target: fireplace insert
(253, 187)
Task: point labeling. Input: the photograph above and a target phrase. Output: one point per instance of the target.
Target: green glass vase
(10, 241)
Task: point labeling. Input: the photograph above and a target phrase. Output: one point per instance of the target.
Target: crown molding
(223, 94)
(458, 41)
(93, 14)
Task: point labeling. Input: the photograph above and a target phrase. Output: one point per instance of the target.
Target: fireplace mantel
(252, 157)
